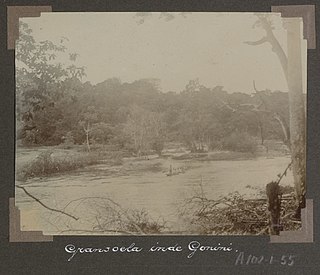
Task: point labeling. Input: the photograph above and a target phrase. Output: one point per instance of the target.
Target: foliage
(239, 142)
(40, 86)
(235, 215)
(68, 140)
(146, 131)
(55, 107)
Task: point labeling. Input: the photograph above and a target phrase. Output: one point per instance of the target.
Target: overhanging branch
(276, 47)
(259, 42)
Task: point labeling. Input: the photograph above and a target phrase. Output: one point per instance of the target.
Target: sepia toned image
(159, 123)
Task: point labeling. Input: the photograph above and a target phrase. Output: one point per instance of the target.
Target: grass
(46, 163)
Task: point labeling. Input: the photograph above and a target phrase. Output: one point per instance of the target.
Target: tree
(146, 130)
(88, 117)
(292, 68)
(102, 132)
(41, 84)
(275, 105)
(157, 133)
(199, 118)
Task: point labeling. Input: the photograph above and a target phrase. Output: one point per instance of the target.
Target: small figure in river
(175, 171)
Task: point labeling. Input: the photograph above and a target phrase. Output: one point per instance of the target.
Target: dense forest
(55, 106)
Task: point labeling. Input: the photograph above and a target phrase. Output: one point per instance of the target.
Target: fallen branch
(45, 206)
(137, 227)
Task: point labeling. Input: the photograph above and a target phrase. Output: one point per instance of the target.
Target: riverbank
(46, 161)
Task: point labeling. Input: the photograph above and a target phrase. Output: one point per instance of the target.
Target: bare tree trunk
(260, 126)
(292, 69)
(277, 117)
(296, 108)
(87, 131)
(87, 138)
(285, 131)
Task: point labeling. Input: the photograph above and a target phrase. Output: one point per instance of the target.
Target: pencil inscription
(286, 260)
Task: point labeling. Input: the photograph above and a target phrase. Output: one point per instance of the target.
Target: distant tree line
(54, 106)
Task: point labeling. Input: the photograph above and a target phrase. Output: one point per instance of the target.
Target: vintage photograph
(160, 123)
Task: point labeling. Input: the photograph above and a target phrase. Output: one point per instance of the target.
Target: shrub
(141, 219)
(158, 145)
(240, 142)
(68, 141)
(28, 138)
(45, 164)
(107, 215)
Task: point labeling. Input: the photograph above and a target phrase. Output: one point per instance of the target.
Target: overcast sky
(208, 46)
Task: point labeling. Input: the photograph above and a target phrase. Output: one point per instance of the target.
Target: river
(142, 184)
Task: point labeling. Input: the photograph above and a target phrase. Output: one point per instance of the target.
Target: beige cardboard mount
(13, 15)
(15, 233)
(307, 12)
(305, 235)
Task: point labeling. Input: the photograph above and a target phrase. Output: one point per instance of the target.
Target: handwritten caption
(192, 248)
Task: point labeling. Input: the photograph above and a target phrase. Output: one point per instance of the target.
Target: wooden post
(274, 206)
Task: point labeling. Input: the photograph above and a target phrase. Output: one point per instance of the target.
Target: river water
(142, 184)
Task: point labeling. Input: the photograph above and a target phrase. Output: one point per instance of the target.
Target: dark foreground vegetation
(233, 214)
(236, 214)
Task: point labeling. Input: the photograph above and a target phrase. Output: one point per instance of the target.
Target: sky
(207, 46)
